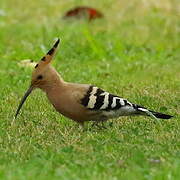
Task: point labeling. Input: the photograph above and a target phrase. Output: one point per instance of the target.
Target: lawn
(133, 52)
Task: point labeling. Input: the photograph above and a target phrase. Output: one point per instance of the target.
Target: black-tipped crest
(43, 59)
(56, 43)
(51, 52)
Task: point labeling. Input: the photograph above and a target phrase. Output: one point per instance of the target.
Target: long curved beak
(28, 92)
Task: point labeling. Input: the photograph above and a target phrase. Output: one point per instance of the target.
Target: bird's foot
(100, 127)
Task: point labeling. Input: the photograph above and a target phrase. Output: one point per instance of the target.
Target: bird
(80, 102)
(83, 12)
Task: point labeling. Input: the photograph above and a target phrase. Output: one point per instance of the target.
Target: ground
(132, 52)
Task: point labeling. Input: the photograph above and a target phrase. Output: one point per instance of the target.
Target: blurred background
(131, 48)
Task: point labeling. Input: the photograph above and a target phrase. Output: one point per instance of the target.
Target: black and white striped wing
(97, 99)
(112, 106)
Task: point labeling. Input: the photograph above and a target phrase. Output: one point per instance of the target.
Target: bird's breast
(69, 107)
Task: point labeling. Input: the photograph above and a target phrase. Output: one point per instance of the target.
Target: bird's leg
(111, 124)
(82, 126)
(102, 125)
(96, 123)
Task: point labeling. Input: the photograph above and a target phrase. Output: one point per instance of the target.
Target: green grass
(133, 52)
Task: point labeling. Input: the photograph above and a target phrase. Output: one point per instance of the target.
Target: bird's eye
(40, 77)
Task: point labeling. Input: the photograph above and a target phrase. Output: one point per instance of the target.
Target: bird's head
(43, 75)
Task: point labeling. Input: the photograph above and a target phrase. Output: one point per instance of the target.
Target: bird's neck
(55, 91)
(57, 84)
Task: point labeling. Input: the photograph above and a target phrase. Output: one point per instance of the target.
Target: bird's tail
(161, 115)
(153, 114)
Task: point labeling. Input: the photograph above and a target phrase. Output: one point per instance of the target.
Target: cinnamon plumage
(80, 102)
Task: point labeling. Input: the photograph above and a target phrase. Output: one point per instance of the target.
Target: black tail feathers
(161, 115)
(154, 114)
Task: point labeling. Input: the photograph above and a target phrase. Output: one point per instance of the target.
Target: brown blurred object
(83, 12)
(27, 63)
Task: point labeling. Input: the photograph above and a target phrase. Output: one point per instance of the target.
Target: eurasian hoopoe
(80, 102)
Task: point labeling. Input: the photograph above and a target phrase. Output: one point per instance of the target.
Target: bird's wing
(98, 99)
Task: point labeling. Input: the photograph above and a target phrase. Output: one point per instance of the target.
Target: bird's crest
(49, 56)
